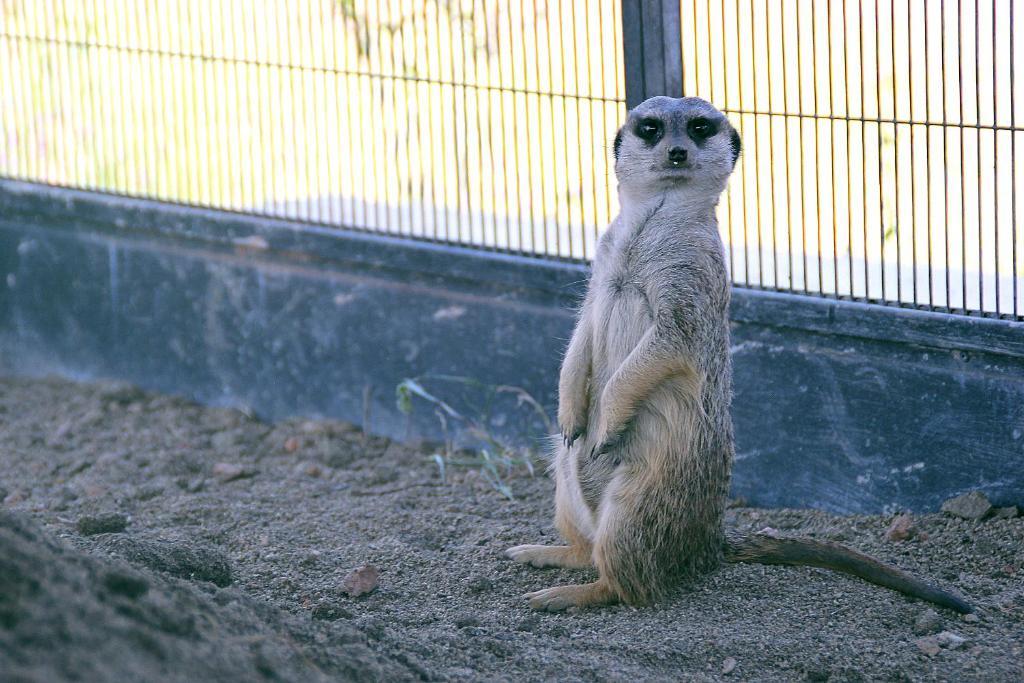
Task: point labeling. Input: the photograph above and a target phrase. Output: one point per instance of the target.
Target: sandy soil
(238, 536)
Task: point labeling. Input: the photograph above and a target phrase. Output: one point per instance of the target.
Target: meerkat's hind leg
(560, 598)
(568, 556)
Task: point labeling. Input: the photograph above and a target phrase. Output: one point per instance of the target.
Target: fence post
(650, 44)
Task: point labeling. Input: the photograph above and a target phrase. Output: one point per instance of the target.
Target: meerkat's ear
(735, 141)
(617, 144)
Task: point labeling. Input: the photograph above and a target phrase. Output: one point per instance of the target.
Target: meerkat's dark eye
(701, 128)
(648, 129)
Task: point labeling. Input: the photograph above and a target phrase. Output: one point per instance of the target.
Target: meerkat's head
(675, 143)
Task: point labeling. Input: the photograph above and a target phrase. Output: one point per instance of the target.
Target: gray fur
(644, 391)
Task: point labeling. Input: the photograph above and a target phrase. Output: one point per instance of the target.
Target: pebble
(310, 469)
(950, 640)
(928, 645)
(927, 622)
(105, 523)
(1006, 513)
(971, 618)
(972, 505)
(901, 529)
(229, 471)
(728, 665)
(360, 581)
(292, 444)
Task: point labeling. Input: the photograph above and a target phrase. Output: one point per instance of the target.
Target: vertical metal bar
(461, 172)
(416, 101)
(480, 123)
(945, 147)
(653, 59)
(757, 146)
(928, 160)
(1013, 171)
(864, 148)
(832, 155)
(604, 116)
(502, 90)
(445, 145)
(881, 174)
(771, 140)
(896, 156)
(849, 176)
(977, 120)
(789, 183)
(379, 148)
(743, 171)
(963, 152)
(577, 124)
(528, 137)
(995, 154)
(565, 147)
(515, 147)
(817, 173)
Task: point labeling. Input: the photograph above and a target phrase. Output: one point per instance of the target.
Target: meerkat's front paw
(572, 424)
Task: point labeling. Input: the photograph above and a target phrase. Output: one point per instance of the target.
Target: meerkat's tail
(764, 548)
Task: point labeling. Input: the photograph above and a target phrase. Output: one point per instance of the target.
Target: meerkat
(643, 464)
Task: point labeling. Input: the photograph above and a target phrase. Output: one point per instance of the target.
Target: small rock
(360, 581)
(950, 640)
(927, 622)
(901, 529)
(310, 469)
(972, 505)
(928, 645)
(106, 523)
(1006, 513)
(292, 444)
(728, 665)
(971, 618)
(229, 471)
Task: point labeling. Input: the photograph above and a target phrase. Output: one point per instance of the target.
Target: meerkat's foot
(561, 598)
(570, 557)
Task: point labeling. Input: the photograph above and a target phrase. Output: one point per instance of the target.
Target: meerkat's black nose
(677, 155)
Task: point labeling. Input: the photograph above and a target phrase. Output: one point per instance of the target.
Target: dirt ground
(238, 536)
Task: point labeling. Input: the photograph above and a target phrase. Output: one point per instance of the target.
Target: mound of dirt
(65, 615)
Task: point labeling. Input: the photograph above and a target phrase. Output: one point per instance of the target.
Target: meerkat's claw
(570, 438)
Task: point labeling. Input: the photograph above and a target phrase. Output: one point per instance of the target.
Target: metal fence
(880, 136)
